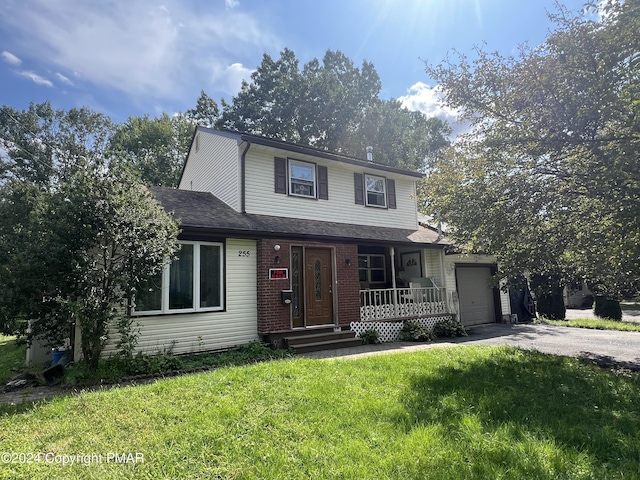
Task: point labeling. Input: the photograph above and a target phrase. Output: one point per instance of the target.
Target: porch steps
(322, 341)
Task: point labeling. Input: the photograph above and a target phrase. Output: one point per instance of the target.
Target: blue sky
(135, 57)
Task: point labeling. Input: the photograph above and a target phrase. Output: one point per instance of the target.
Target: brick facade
(273, 315)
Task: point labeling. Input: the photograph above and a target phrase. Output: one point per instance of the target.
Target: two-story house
(280, 240)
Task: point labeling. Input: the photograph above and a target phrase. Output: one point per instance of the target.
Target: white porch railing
(399, 303)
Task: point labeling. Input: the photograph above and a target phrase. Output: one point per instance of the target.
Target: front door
(318, 283)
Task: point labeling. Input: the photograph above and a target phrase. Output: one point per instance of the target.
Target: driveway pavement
(603, 346)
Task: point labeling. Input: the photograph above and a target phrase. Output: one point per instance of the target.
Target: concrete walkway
(604, 346)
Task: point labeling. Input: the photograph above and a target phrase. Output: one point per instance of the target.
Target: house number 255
(244, 253)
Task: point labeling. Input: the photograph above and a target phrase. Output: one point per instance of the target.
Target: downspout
(243, 169)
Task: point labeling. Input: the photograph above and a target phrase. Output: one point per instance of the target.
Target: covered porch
(399, 283)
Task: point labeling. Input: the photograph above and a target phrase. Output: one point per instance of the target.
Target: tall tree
(332, 105)
(548, 179)
(399, 137)
(156, 147)
(78, 233)
(205, 113)
(42, 143)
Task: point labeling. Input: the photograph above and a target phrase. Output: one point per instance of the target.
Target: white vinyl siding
(432, 265)
(214, 167)
(202, 331)
(261, 198)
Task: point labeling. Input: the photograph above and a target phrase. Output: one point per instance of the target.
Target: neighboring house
(281, 240)
(578, 295)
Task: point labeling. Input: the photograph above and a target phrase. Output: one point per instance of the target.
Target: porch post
(393, 267)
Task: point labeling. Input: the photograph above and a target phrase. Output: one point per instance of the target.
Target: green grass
(443, 413)
(12, 358)
(594, 323)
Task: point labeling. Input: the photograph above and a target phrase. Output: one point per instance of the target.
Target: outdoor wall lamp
(277, 259)
(348, 261)
(276, 247)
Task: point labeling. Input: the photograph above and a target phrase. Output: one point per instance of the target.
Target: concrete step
(313, 343)
(326, 336)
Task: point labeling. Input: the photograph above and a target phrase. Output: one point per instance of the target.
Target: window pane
(375, 199)
(377, 275)
(302, 172)
(362, 261)
(149, 294)
(362, 275)
(377, 261)
(302, 189)
(209, 276)
(375, 185)
(181, 280)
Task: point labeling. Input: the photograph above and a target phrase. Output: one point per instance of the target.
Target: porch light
(348, 261)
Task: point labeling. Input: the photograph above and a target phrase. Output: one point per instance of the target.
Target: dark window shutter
(391, 193)
(323, 183)
(358, 186)
(280, 169)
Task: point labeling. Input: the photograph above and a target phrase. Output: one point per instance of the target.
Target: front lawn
(594, 323)
(463, 412)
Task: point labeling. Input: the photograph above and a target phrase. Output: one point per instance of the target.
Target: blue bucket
(57, 356)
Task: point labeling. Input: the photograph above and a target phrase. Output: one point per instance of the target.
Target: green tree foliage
(205, 113)
(78, 235)
(156, 147)
(332, 105)
(41, 144)
(549, 178)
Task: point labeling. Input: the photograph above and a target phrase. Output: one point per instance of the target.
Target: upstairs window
(302, 179)
(375, 191)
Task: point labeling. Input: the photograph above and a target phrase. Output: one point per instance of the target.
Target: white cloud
(40, 80)
(10, 58)
(230, 76)
(139, 47)
(63, 79)
(428, 100)
(231, 3)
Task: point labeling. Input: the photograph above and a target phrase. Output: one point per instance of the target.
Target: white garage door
(475, 295)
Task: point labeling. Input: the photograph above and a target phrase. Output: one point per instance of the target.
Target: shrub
(449, 328)
(551, 306)
(370, 337)
(604, 307)
(413, 331)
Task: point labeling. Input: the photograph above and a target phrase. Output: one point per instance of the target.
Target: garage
(476, 296)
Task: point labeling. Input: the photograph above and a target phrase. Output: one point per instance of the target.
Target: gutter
(243, 169)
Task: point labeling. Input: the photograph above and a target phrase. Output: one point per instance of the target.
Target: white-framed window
(371, 268)
(375, 194)
(191, 283)
(302, 179)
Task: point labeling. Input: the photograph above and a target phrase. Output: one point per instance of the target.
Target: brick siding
(273, 315)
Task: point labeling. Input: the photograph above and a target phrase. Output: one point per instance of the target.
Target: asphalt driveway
(603, 346)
